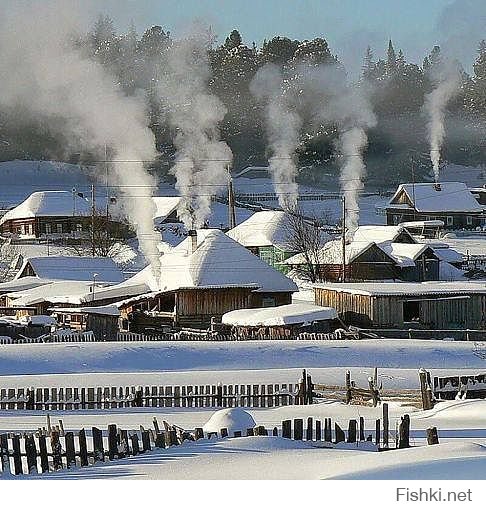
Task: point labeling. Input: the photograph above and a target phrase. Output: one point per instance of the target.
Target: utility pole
(343, 239)
(413, 189)
(231, 202)
(93, 211)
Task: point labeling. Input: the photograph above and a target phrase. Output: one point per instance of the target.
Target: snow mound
(231, 419)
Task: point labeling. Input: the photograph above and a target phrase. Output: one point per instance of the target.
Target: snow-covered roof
(442, 197)
(218, 261)
(422, 224)
(55, 292)
(332, 253)
(264, 228)
(26, 283)
(73, 268)
(404, 254)
(379, 233)
(49, 203)
(164, 206)
(296, 313)
(95, 310)
(406, 288)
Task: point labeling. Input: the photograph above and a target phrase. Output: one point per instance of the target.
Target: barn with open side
(428, 305)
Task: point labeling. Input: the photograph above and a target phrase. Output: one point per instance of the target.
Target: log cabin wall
(195, 307)
(434, 311)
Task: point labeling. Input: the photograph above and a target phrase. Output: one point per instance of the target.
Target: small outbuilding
(281, 322)
(427, 305)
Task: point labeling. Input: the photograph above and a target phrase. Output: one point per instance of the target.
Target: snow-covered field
(461, 424)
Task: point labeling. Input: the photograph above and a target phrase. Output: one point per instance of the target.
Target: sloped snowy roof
(264, 228)
(96, 310)
(404, 254)
(378, 233)
(74, 268)
(446, 197)
(49, 203)
(218, 261)
(332, 253)
(296, 313)
(26, 283)
(55, 292)
(164, 206)
(406, 288)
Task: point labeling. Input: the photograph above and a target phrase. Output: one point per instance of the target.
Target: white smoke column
(282, 126)
(333, 101)
(448, 83)
(54, 83)
(202, 159)
(352, 144)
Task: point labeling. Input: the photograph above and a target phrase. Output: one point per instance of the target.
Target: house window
(411, 311)
(48, 228)
(268, 301)
(79, 227)
(59, 228)
(450, 221)
(396, 219)
(469, 220)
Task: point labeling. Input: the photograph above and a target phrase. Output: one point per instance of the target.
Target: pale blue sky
(348, 25)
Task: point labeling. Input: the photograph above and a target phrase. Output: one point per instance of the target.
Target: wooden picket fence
(223, 395)
(54, 449)
(468, 386)
(215, 395)
(184, 335)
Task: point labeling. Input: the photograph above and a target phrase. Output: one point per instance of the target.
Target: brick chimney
(193, 235)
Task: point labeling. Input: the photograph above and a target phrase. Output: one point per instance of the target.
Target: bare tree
(105, 237)
(8, 255)
(305, 237)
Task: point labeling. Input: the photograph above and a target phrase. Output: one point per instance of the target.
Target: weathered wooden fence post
(339, 434)
(31, 454)
(386, 425)
(30, 404)
(349, 394)
(4, 453)
(199, 433)
(287, 429)
(83, 450)
(377, 432)
(328, 430)
(361, 428)
(298, 429)
(426, 390)
(70, 450)
(310, 429)
(43, 453)
(352, 428)
(432, 436)
(404, 432)
(17, 455)
(135, 444)
(98, 449)
(56, 450)
(318, 430)
(112, 442)
(146, 446)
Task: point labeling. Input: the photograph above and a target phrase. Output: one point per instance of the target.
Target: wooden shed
(429, 305)
(101, 320)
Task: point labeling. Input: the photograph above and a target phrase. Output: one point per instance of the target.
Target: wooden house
(206, 276)
(103, 321)
(51, 215)
(265, 234)
(429, 305)
(364, 261)
(451, 202)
